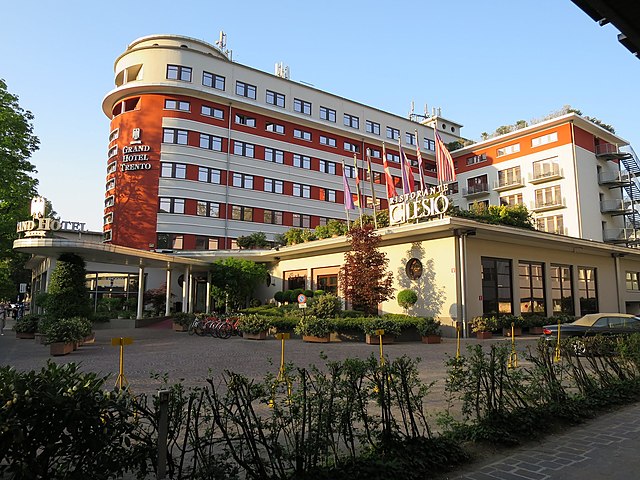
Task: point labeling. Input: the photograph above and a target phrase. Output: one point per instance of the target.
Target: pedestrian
(3, 317)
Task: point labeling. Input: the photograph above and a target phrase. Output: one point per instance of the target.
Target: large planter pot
(517, 331)
(60, 348)
(314, 339)
(255, 336)
(431, 339)
(535, 330)
(484, 335)
(91, 338)
(375, 339)
(25, 335)
(179, 328)
(40, 338)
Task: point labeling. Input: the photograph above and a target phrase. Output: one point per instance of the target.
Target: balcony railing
(614, 178)
(617, 205)
(539, 206)
(508, 183)
(620, 235)
(476, 190)
(550, 171)
(608, 151)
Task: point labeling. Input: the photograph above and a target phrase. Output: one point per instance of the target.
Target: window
(171, 205)
(351, 121)
(351, 147)
(296, 281)
(496, 286)
(114, 135)
(112, 167)
(515, 148)
(212, 80)
(107, 219)
(349, 171)
(552, 224)
(300, 190)
(273, 186)
(509, 176)
(429, 144)
(545, 169)
(106, 237)
(206, 243)
(208, 111)
(242, 213)
(208, 209)
(377, 178)
(375, 153)
(410, 138)
(548, 197)
(392, 157)
(177, 105)
(273, 217)
(243, 149)
(173, 135)
(210, 142)
(170, 240)
(477, 159)
(111, 184)
(414, 269)
(301, 221)
(511, 200)
(327, 195)
(244, 120)
(303, 134)
(587, 290)
(208, 175)
(245, 90)
(561, 289)
(275, 128)
(393, 133)
(273, 155)
(331, 142)
(328, 283)
(242, 180)
(477, 184)
(327, 114)
(113, 151)
(173, 170)
(543, 140)
(301, 161)
(178, 72)
(328, 167)
(632, 281)
(369, 202)
(532, 288)
(301, 106)
(372, 127)
(275, 98)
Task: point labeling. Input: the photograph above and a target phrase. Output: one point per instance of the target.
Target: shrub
(279, 296)
(389, 326)
(308, 293)
(289, 296)
(407, 298)
(254, 323)
(255, 302)
(68, 295)
(326, 306)
(317, 327)
(336, 227)
(505, 321)
(65, 330)
(27, 324)
(293, 236)
(428, 326)
(322, 231)
(318, 293)
(483, 324)
(183, 319)
(100, 317)
(284, 324)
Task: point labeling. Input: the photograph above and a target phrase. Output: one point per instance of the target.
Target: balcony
(551, 204)
(621, 235)
(614, 179)
(477, 190)
(608, 151)
(508, 184)
(617, 206)
(546, 173)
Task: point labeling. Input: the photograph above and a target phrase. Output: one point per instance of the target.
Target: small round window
(414, 269)
(268, 280)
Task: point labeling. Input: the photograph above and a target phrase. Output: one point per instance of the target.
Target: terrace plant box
(315, 339)
(387, 339)
(60, 348)
(255, 336)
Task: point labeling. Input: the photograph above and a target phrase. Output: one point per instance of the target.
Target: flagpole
(373, 192)
(420, 166)
(346, 192)
(355, 163)
(438, 163)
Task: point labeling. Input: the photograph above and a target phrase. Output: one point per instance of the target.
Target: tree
(68, 295)
(364, 277)
(234, 280)
(17, 186)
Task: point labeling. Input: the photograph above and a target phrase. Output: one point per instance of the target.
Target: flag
(420, 165)
(355, 164)
(405, 168)
(391, 188)
(348, 199)
(444, 163)
(373, 192)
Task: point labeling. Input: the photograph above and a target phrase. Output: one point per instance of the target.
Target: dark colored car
(594, 324)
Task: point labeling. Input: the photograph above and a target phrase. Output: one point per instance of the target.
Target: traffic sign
(302, 298)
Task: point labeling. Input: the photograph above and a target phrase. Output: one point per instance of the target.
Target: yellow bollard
(282, 377)
(557, 355)
(121, 341)
(458, 330)
(513, 356)
(380, 333)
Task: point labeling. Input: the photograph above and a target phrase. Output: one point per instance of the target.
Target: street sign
(302, 298)
(302, 305)
(23, 288)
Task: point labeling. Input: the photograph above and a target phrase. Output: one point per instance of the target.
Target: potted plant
(391, 330)
(336, 228)
(429, 330)
(254, 327)
(293, 236)
(322, 231)
(308, 235)
(407, 299)
(483, 326)
(26, 326)
(61, 335)
(85, 330)
(534, 323)
(506, 322)
(182, 320)
(314, 329)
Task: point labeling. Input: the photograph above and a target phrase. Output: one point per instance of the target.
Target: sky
(485, 64)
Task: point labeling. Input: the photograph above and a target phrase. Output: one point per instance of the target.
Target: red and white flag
(444, 163)
(391, 188)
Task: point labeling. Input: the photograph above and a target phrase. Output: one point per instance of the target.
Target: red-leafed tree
(365, 280)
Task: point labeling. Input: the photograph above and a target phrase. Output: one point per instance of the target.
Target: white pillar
(191, 302)
(167, 306)
(207, 307)
(185, 287)
(140, 291)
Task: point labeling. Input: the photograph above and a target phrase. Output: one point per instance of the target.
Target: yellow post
(557, 353)
(458, 329)
(281, 373)
(513, 357)
(121, 342)
(380, 334)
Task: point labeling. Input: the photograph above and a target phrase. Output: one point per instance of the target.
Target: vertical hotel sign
(135, 156)
(428, 203)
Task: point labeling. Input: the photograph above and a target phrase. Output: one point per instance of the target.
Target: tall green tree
(68, 295)
(17, 185)
(234, 280)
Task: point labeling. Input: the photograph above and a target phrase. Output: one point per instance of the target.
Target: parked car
(591, 325)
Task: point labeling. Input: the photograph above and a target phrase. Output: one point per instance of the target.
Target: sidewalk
(603, 448)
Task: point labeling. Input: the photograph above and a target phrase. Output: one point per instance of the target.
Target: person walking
(3, 317)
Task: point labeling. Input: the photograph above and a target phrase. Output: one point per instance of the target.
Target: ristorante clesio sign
(428, 203)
